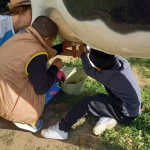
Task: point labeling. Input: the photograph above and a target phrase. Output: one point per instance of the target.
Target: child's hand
(57, 62)
(82, 49)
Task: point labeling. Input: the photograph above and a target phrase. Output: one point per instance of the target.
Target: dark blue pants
(101, 105)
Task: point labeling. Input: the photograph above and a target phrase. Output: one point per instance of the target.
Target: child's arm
(41, 78)
(59, 49)
(88, 68)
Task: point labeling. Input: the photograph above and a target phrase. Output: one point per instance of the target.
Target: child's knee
(86, 100)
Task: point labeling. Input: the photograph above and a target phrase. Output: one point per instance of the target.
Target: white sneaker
(103, 124)
(53, 132)
(28, 127)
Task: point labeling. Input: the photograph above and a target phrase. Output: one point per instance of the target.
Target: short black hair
(45, 27)
(101, 59)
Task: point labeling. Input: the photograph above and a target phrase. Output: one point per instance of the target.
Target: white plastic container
(75, 80)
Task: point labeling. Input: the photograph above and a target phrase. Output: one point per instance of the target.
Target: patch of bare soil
(63, 58)
(142, 81)
(13, 138)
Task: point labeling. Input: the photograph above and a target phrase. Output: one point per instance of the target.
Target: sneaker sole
(97, 130)
(52, 137)
(26, 127)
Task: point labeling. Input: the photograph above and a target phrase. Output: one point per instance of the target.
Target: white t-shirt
(6, 28)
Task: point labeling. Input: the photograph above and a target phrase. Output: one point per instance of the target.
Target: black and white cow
(113, 26)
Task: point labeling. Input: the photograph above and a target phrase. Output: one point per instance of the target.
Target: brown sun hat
(16, 3)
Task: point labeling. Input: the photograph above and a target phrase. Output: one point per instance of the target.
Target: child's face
(49, 41)
(27, 17)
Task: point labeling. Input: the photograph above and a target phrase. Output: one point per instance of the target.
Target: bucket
(75, 80)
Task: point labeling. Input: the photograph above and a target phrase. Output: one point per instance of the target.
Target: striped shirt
(6, 28)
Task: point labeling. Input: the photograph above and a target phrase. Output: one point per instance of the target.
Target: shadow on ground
(12, 138)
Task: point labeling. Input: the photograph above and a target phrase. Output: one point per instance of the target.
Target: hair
(18, 10)
(102, 60)
(45, 27)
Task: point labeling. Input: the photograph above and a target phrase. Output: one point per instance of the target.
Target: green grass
(132, 136)
(57, 41)
(142, 64)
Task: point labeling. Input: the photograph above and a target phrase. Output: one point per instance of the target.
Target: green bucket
(75, 80)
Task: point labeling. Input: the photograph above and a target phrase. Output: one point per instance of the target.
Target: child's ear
(99, 69)
(46, 38)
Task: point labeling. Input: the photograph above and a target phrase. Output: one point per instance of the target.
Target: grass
(143, 65)
(57, 41)
(132, 136)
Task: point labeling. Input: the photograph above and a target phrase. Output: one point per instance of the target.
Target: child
(24, 79)
(123, 102)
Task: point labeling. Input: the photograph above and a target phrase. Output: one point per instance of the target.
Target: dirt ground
(12, 138)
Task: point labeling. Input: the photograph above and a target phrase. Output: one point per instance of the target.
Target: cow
(113, 26)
